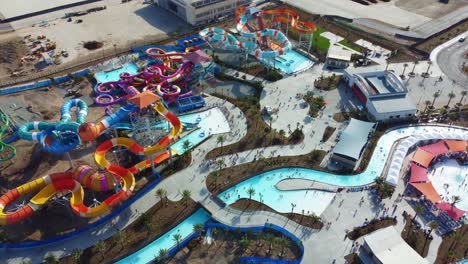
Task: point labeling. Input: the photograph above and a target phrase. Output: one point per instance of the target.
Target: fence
(101, 221)
(44, 83)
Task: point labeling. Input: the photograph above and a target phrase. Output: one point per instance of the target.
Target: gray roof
(388, 246)
(353, 138)
(393, 104)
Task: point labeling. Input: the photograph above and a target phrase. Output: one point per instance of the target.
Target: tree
(50, 259)
(177, 238)
(186, 145)
(433, 225)
(387, 190)
(379, 180)
(418, 210)
(120, 238)
(101, 247)
(455, 199)
(429, 63)
(451, 95)
(259, 237)
(435, 96)
(162, 255)
(404, 69)
(415, 63)
(271, 240)
(76, 255)
(270, 120)
(427, 103)
(282, 134)
(463, 94)
(216, 175)
(283, 242)
(186, 194)
(244, 242)
(250, 192)
(220, 163)
(198, 228)
(161, 194)
(220, 140)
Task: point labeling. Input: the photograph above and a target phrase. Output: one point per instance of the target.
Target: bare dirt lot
(11, 51)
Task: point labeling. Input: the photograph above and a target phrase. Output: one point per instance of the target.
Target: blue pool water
(463, 261)
(185, 229)
(115, 74)
(290, 62)
(314, 201)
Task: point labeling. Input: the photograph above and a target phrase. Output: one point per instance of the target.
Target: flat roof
(388, 246)
(339, 53)
(392, 104)
(353, 138)
(16, 8)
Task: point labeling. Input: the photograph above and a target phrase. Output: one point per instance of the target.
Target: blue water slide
(123, 112)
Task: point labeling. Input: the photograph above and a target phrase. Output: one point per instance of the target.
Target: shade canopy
(418, 173)
(427, 189)
(422, 157)
(144, 99)
(451, 211)
(456, 145)
(436, 148)
(353, 138)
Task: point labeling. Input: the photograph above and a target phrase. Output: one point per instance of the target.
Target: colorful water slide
(7, 152)
(291, 17)
(90, 131)
(57, 137)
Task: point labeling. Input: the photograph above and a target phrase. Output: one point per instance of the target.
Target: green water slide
(7, 152)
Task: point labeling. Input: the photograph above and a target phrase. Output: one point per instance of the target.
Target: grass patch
(351, 45)
(328, 133)
(258, 134)
(223, 179)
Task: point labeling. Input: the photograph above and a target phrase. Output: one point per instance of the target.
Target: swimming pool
(290, 62)
(315, 201)
(185, 229)
(449, 179)
(114, 75)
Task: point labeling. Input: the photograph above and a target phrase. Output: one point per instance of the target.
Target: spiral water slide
(57, 137)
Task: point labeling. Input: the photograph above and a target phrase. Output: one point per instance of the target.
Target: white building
(338, 57)
(199, 12)
(383, 93)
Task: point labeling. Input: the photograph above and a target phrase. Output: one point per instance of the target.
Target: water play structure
(255, 37)
(57, 137)
(119, 179)
(7, 152)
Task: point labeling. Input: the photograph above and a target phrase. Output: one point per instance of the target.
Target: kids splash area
(260, 38)
(134, 161)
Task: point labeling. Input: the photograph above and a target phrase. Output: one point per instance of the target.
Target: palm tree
(76, 255)
(415, 63)
(259, 237)
(50, 259)
(404, 69)
(216, 175)
(418, 209)
(429, 63)
(161, 194)
(455, 199)
(283, 242)
(186, 145)
(451, 95)
(271, 240)
(186, 194)
(463, 94)
(435, 95)
(244, 242)
(101, 247)
(120, 238)
(270, 120)
(450, 255)
(379, 180)
(433, 225)
(387, 190)
(220, 163)
(386, 64)
(250, 192)
(282, 134)
(198, 228)
(289, 128)
(177, 238)
(220, 140)
(162, 255)
(427, 103)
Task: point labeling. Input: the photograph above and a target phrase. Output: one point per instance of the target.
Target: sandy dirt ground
(118, 27)
(430, 8)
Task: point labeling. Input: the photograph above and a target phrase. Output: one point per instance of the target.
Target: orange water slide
(293, 19)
